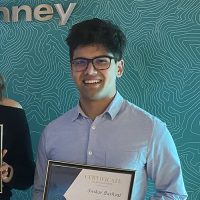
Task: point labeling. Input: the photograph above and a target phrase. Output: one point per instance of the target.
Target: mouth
(92, 82)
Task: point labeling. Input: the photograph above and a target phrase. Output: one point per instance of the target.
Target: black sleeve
(20, 154)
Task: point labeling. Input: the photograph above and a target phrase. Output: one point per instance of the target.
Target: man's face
(94, 84)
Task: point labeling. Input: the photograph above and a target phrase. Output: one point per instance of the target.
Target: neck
(94, 108)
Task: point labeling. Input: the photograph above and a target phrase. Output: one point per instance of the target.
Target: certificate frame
(58, 189)
(1, 155)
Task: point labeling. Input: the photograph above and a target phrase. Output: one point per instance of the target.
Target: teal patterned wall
(162, 68)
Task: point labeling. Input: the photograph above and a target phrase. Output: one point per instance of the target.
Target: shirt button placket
(92, 130)
(93, 127)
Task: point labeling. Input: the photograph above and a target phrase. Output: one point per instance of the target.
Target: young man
(104, 129)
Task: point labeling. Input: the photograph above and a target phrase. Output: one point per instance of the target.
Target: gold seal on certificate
(1, 149)
(68, 181)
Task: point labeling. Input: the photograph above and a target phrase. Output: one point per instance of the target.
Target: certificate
(68, 181)
(1, 149)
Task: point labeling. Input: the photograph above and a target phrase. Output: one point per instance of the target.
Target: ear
(120, 68)
(72, 74)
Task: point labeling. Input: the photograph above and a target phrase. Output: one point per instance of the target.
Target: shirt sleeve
(40, 171)
(163, 165)
(20, 156)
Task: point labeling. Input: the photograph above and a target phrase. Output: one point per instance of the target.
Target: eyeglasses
(100, 63)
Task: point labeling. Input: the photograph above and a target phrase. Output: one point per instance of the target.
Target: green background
(162, 68)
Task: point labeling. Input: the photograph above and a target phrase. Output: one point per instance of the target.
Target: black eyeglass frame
(91, 60)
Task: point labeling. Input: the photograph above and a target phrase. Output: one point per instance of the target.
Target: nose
(91, 69)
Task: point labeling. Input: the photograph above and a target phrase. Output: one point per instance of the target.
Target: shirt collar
(77, 112)
(115, 106)
(111, 110)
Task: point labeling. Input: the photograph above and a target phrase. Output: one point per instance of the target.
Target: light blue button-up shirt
(124, 136)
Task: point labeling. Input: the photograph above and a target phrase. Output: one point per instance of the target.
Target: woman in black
(18, 164)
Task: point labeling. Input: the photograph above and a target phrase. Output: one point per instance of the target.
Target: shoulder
(63, 120)
(143, 117)
(58, 126)
(134, 110)
(11, 103)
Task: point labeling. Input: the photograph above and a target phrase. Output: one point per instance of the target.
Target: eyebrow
(94, 57)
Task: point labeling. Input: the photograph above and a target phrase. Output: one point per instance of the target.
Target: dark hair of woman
(2, 86)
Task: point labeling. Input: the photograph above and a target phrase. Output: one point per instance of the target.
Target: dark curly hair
(97, 31)
(2, 86)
